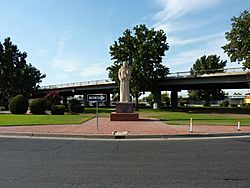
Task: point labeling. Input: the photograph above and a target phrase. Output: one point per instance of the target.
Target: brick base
(124, 116)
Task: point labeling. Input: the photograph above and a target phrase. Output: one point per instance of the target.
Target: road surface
(48, 163)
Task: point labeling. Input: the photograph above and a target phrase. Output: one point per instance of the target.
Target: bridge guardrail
(78, 84)
(207, 72)
(173, 75)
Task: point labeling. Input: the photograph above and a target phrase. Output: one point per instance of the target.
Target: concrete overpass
(232, 78)
(229, 79)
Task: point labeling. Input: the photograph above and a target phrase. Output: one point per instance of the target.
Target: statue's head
(125, 64)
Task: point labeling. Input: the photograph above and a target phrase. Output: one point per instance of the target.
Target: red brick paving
(106, 127)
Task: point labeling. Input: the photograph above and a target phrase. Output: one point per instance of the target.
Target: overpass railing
(78, 84)
(171, 75)
(208, 72)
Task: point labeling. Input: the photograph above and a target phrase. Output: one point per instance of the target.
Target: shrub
(75, 106)
(206, 104)
(38, 106)
(57, 109)
(224, 104)
(66, 107)
(183, 102)
(247, 105)
(78, 108)
(243, 105)
(19, 105)
(52, 98)
(233, 105)
(167, 103)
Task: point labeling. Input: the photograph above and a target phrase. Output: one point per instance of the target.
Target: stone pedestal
(124, 112)
(124, 107)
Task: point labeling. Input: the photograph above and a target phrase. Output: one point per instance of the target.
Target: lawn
(172, 118)
(183, 118)
(28, 119)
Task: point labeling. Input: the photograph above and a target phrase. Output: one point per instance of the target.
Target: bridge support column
(157, 99)
(64, 100)
(174, 99)
(85, 100)
(108, 100)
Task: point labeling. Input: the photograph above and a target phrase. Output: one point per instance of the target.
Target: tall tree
(165, 99)
(16, 75)
(143, 48)
(238, 48)
(206, 65)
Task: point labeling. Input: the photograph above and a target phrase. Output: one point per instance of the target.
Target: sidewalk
(145, 128)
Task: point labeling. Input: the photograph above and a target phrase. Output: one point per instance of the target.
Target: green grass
(172, 118)
(183, 118)
(28, 119)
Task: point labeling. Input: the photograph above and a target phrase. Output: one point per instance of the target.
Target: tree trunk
(136, 102)
(157, 97)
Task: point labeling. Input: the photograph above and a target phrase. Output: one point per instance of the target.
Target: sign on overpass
(97, 97)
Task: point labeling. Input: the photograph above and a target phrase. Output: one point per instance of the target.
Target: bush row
(226, 104)
(19, 105)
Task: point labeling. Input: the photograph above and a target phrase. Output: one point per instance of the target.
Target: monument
(124, 75)
(124, 108)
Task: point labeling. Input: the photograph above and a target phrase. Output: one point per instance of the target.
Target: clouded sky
(69, 40)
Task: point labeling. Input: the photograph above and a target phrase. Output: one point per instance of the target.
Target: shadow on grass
(100, 110)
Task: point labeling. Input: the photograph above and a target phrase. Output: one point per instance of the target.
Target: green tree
(143, 49)
(149, 99)
(52, 98)
(206, 65)
(238, 48)
(16, 76)
(165, 99)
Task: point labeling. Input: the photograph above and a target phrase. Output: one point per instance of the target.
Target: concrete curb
(105, 136)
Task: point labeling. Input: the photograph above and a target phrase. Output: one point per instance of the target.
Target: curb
(105, 136)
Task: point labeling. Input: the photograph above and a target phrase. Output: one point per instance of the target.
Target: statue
(124, 75)
(124, 109)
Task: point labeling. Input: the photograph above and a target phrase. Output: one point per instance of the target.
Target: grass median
(183, 118)
(172, 118)
(29, 119)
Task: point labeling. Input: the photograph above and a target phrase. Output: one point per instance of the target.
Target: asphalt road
(74, 163)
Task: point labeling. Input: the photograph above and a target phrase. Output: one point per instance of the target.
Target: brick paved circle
(148, 126)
